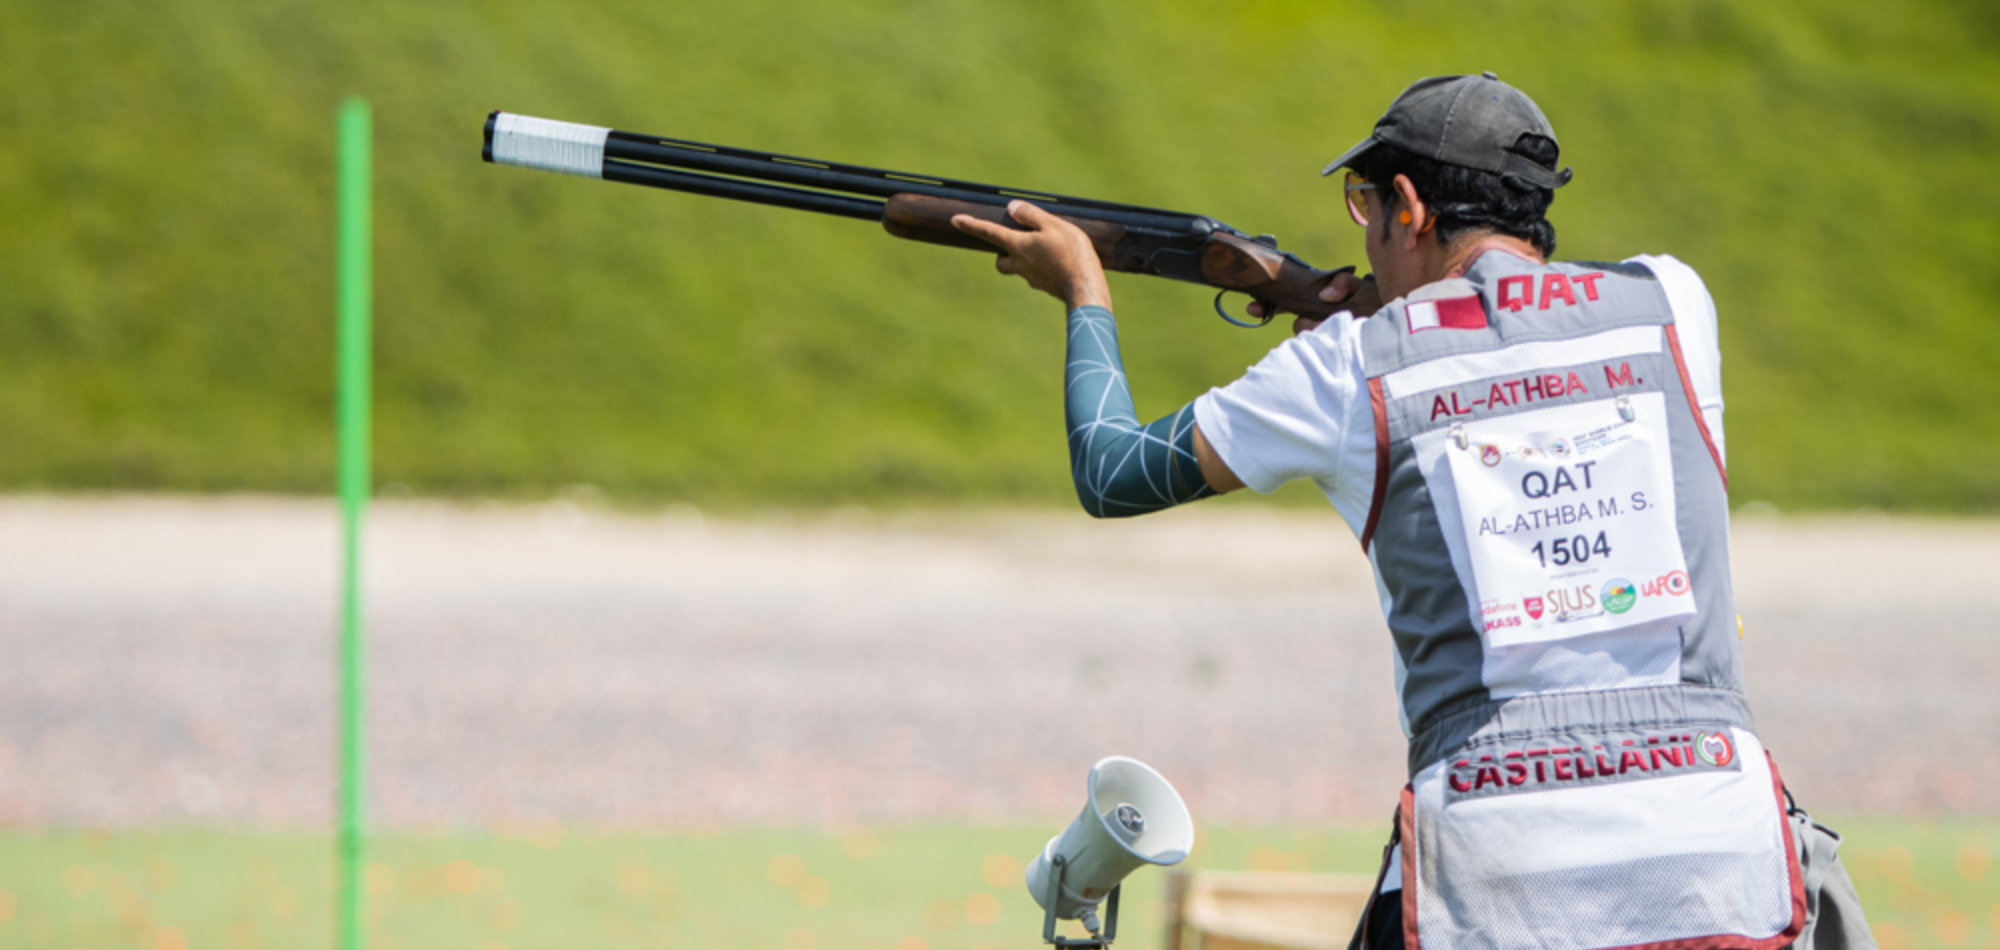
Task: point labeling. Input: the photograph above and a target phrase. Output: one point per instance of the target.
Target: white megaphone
(1133, 817)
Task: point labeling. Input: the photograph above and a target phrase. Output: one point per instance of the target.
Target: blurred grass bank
(165, 230)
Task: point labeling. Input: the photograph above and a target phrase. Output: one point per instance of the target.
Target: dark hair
(1466, 199)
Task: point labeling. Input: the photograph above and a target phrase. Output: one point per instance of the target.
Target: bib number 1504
(1578, 549)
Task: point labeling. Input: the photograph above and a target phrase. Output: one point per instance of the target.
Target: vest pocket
(1685, 856)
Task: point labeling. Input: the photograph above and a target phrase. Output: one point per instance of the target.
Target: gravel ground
(171, 660)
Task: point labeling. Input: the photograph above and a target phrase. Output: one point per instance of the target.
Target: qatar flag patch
(1448, 313)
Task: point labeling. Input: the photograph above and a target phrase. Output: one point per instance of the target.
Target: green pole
(352, 302)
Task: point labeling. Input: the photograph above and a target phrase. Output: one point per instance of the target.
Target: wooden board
(1262, 910)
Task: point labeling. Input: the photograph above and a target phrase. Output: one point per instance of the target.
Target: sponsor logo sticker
(1714, 748)
(1673, 584)
(1489, 454)
(1618, 595)
(1571, 604)
(1500, 613)
(1533, 605)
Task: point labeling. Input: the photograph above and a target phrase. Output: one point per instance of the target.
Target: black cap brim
(1350, 156)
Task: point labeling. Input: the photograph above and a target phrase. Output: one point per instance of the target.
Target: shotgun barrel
(1129, 238)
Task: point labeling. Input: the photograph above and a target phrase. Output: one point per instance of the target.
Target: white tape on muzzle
(549, 145)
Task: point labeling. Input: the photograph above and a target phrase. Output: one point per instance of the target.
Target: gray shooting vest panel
(1445, 698)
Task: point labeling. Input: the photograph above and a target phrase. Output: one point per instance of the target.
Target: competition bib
(1569, 520)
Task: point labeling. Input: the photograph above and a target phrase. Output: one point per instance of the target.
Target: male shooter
(1531, 454)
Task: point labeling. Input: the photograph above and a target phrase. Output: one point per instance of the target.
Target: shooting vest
(1549, 531)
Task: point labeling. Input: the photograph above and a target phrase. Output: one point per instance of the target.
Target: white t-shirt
(1303, 410)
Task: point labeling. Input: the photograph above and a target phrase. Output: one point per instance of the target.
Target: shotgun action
(1130, 239)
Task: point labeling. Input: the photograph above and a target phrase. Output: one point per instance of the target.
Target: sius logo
(1570, 603)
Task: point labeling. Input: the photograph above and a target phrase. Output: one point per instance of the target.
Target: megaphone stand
(1109, 839)
(1098, 939)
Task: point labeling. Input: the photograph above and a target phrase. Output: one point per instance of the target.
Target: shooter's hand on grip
(1276, 281)
(1051, 254)
(1358, 296)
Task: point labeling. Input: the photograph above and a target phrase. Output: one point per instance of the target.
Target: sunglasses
(1357, 198)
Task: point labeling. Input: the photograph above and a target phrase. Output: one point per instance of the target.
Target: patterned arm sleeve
(1121, 468)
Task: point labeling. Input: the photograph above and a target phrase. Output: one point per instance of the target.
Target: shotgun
(1128, 238)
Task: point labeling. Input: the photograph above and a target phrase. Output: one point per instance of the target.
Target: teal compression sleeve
(1121, 467)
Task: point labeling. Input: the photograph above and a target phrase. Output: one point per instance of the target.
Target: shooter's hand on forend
(1051, 254)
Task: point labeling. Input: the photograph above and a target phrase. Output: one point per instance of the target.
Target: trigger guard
(1224, 314)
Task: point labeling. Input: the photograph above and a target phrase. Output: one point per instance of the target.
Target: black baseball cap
(1470, 121)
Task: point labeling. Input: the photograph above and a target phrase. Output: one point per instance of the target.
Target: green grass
(166, 229)
(937, 888)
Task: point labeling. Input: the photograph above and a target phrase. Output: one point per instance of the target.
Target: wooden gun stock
(1274, 278)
